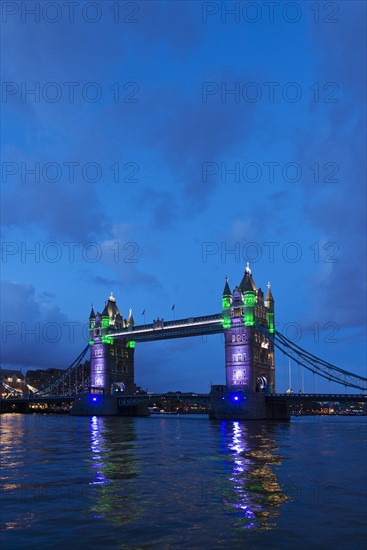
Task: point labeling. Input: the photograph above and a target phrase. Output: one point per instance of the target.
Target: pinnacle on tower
(92, 314)
(269, 297)
(130, 322)
(247, 283)
(227, 290)
(111, 310)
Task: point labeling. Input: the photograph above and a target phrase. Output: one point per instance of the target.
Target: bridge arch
(262, 383)
(118, 387)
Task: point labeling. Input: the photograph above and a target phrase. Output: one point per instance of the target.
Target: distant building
(12, 382)
(41, 379)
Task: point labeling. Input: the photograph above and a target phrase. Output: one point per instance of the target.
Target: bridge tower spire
(269, 304)
(226, 305)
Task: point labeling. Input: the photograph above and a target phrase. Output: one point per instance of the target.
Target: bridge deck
(200, 397)
(341, 397)
(163, 330)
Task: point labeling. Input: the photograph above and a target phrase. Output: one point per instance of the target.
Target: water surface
(182, 482)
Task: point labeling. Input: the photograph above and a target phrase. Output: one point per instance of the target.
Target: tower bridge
(249, 354)
(248, 326)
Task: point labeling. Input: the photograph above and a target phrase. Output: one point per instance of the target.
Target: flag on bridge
(173, 307)
(143, 312)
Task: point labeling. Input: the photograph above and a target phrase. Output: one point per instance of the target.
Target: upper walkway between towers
(162, 330)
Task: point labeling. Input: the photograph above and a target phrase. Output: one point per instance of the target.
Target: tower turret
(111, 310)
(247, 282)
(105, 316)
(227, 291)
(260, 297)
(92, 318)
(269, 300)
(130, 321)
(248, 288)
(226, 305)
(269, 304)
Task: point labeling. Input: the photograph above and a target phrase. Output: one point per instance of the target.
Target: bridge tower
(111, 360)
(111, 366)
(249, 355)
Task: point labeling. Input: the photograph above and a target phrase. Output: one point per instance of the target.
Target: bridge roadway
(163, 330)
(202, 398)
(320, 397)
(297, 398)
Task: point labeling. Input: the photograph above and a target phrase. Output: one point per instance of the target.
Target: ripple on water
(181, 483)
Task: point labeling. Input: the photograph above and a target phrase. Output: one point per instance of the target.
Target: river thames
(182, 482)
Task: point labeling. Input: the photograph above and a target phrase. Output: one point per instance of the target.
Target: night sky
(152, 148)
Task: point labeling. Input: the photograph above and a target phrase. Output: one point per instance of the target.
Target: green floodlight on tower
(226, 322)
(270, 321)
(105, 324)
(105, 321)
(107, 340)
(249, 316)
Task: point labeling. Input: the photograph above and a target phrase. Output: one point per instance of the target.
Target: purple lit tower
(249, 355)
(111, 360)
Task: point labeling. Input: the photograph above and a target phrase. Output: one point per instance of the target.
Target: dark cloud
(36, 333)
(341, 49)
(129, 277)
(169, 132)
(64, 210)
(173, 25)
(337, 209)
(162, 206)
(91, 49)
(193, 132)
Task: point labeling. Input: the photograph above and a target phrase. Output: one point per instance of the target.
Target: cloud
(189, 132)
(131, 277)
(162, 207)
(64, 210)
(36, 333)
(337, 208)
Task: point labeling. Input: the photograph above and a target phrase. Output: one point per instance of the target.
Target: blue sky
(172, 142)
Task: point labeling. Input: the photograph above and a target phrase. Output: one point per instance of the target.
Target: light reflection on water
(110, 462)
(250, 488)
(96, 441)
(256, 493)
